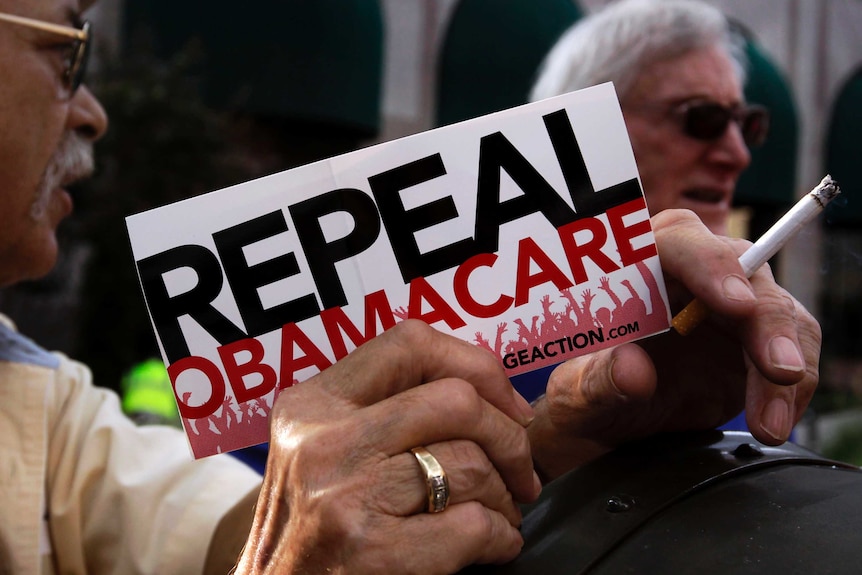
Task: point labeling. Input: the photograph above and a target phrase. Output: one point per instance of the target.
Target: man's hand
(342, 492)
(759, 350)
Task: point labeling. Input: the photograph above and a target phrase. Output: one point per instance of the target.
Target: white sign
(524, 231)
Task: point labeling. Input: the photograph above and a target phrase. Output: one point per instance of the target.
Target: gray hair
(615, 43)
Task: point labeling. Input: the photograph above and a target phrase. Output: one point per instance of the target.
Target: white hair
(614, 44)
(72, 160)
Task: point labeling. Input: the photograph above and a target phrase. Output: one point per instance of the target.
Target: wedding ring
(435, 480)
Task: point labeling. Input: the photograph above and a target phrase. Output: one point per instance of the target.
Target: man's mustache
(72, 161)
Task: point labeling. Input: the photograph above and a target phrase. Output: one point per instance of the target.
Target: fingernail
(527, 413)
(737, 289)
(613, 376)
(784, 354)
(776, 419)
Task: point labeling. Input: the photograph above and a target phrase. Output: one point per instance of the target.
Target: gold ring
(435, 480)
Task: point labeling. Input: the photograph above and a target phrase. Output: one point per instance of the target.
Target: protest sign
(524, 231)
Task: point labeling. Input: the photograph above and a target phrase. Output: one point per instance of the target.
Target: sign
(524, 231)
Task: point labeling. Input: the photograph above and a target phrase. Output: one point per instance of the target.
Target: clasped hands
(344, 494)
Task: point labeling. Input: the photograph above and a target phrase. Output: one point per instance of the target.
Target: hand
(343, 493)
(759, 350)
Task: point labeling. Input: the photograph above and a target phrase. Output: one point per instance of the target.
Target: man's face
(676, 170)
(45, 137)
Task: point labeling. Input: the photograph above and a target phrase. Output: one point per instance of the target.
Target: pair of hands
(343, 493)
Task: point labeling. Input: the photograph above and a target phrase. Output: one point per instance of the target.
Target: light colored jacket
(85, 490)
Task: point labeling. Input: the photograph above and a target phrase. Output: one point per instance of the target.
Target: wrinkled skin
(677, 171)
(759, 350)
(342, 493)
(38, 119)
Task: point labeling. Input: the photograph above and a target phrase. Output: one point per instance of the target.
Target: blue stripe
(16, 348)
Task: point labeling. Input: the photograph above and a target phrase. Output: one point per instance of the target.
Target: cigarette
(805, 210)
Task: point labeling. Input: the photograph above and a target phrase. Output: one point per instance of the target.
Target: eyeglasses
(76, 65)
(709, 121)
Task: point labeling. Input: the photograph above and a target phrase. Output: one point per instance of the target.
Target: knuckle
(410, 332)
(485, 361)
(520, 443)
(462, 399)
(490, 532)
(478, 524)
(288, 401)
(322, 451)
(809, 326)
(566, 389)
(740, 246)
(789, 305)
(471, 462)
(304, 461)
(777, 304)
(676, 218)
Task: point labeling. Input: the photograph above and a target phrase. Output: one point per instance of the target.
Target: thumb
(593, 394)
(589, 407)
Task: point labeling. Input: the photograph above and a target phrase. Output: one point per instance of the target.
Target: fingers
(589, 392)
(416, 353)
(471, 477)
(705, 264)
(342, 528)
(446, 410)
(591, 404)
(464, 534)
(772, 333)
(341, 487)
(772, 410)
(478, 526)
(767, 320)
(434, 544)
(351, 494)
(780, 341)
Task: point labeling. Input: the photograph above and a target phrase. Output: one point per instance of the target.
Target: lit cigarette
(769, 243)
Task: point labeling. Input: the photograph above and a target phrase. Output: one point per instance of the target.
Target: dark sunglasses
(709, 121)
(76, 65)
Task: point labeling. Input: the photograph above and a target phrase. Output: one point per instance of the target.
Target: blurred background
(202, 95)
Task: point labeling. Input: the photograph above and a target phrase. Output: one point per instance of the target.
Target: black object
(703, 503)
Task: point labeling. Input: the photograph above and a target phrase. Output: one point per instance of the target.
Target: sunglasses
(79, 52)
(709, 121)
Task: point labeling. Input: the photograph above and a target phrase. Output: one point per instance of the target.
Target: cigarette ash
(826, 190)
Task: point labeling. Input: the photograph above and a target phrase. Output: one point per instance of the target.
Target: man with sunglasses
(349, 486)
(678, 71)
(678, 68)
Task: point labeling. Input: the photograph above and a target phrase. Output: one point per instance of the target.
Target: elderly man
(352, 482)
(678, 72)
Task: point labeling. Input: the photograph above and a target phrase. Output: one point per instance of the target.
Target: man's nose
(86, 115)
(730, 148)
